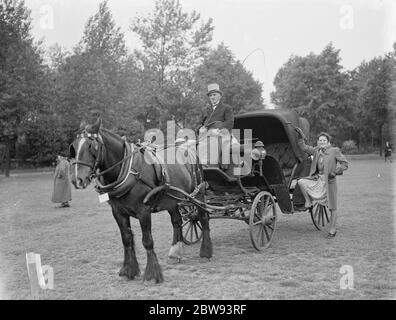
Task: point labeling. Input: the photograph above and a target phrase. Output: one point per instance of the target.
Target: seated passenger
(216, 124)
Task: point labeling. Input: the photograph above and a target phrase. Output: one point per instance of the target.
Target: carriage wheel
(320, 216)
(191, 227)
(262, 220)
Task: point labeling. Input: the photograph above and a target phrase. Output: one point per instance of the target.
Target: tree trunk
(7, 159)
(380, 139)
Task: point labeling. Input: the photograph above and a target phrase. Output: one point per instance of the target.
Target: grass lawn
(83, 245)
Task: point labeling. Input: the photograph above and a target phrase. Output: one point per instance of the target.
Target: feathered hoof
(153, 278)
(129, 272)
(206, 251)
(176, 251)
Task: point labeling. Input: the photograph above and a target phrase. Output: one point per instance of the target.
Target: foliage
(173, 44)
(240, 89)
(23, 76)
(316, 88)
(349, 147)
(348, 104)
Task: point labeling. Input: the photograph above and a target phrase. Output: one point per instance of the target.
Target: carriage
(135, 187)
(270, 184)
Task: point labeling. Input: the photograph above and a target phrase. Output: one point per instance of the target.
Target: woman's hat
(214, 87)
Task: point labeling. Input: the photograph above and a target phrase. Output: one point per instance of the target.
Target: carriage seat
(283, 153)
(216, 174)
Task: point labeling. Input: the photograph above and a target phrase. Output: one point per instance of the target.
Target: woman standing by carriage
(320, 186)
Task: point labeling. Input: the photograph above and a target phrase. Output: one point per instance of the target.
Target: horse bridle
(95, 168)
(98, 139)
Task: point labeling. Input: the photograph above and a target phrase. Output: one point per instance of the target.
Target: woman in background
(62, 188)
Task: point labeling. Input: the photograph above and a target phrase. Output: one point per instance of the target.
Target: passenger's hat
(214, 87)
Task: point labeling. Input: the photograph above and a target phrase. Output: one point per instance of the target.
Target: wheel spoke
(327, 217)
(323, 216)
(257, 215)
(266, 204)
(319, 214)
(199, 225)
(266, 233)
(195, 230)
(188, 229)
(184, 224)
(257, 223)
(260, 236)
(314, 213)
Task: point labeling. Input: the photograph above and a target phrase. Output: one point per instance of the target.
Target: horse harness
(128, 175)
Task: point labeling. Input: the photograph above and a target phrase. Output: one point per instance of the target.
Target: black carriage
(269, 183)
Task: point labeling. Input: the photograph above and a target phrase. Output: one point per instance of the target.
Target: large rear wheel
(262, 220)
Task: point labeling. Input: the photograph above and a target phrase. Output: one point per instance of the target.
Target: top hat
(214, 87)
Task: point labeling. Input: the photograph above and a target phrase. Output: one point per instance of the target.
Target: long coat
(335, 164)
(222, 113)
(62, 187)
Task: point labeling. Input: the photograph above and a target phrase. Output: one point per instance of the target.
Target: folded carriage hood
(274, 126)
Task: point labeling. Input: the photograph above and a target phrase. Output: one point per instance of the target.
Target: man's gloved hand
(332, 175)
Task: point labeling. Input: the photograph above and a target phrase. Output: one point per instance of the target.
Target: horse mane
(111, 133)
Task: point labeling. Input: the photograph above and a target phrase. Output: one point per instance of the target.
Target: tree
(241, 90)
(174, 42)
(317, 89)
(374, 82)
(375, 97)
(23, 77)
(96, 79)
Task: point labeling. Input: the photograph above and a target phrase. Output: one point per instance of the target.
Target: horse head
(85, 151)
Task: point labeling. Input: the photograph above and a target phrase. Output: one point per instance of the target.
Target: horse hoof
(128, 272)
(149, 283)
(206, 254)
(174, 260)
(176, 251)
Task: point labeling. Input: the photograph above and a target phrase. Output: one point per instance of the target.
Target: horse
(99, 153)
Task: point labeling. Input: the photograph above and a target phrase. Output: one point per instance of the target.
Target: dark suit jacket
(222, 113)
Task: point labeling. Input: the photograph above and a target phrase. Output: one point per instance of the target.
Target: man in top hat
(217, 115)
(217, 120)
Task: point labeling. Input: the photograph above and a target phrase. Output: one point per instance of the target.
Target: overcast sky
(264, 32)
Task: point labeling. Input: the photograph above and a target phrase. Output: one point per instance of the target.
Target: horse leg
(206, 245)
(153, 269)
(130, 267)
(176, 250)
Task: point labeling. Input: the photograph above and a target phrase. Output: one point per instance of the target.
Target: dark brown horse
(123, 172)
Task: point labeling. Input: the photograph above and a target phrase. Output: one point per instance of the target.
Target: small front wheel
(191, 227)
(319, 216)
(262, 220)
